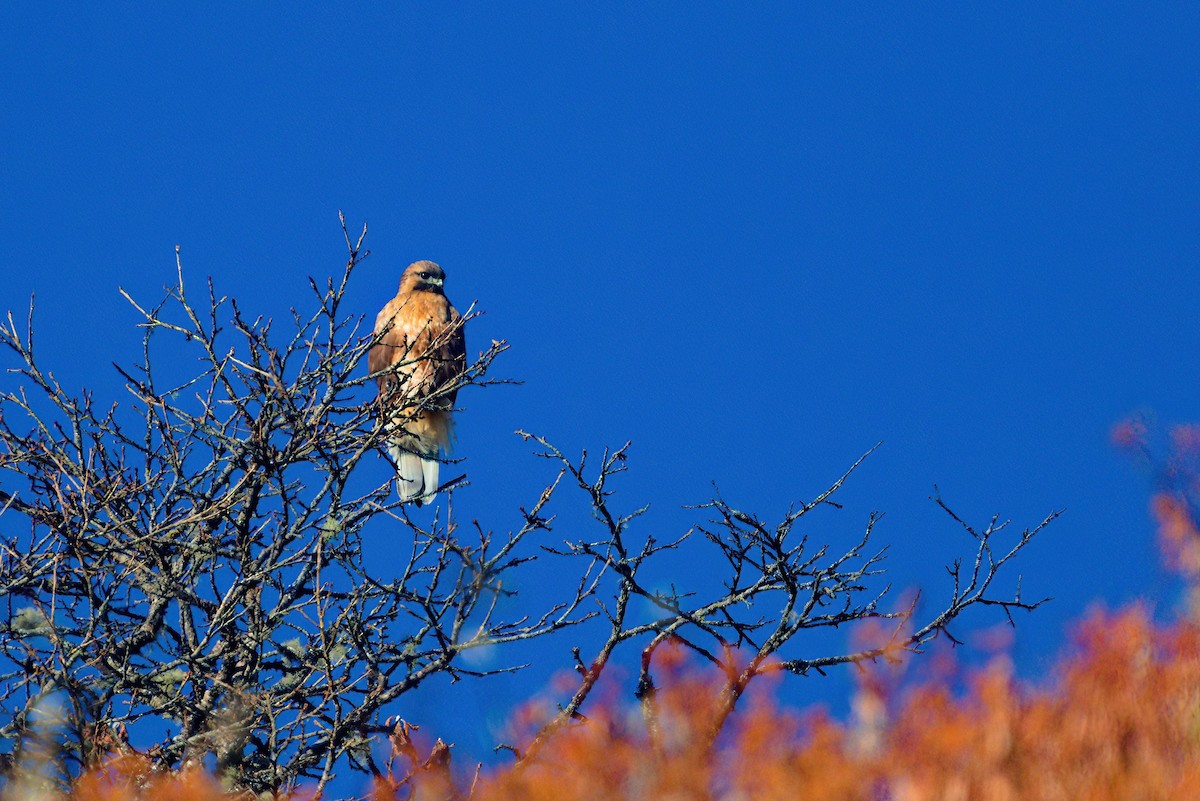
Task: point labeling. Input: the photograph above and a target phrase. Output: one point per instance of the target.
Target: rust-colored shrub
(1119, 719)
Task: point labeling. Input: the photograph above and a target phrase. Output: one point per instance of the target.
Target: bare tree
(187, 568)
(776, 585)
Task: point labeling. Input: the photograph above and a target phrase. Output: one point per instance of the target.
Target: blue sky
(754, 241)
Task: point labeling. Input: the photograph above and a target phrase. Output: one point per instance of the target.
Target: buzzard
(420, 346)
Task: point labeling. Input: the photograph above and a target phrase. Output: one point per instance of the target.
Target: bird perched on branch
(421, 348)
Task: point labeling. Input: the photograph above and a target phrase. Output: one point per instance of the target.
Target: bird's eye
(426, 276)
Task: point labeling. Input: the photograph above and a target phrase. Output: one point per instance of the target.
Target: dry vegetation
(1119, 720)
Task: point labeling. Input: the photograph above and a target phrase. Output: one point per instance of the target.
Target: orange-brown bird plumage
(420, 333)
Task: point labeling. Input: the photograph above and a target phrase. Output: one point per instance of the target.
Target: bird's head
(423, 276)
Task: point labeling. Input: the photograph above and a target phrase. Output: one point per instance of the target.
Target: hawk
(419, 335)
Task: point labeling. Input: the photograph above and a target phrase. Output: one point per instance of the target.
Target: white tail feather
(430, 469)
(416, 475)
(410, 478)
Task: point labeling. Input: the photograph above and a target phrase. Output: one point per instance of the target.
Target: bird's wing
(452, 358)
(381, 353)
(403, 338)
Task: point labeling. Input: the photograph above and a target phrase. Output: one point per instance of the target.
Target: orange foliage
(129, 778)
(1174, 463)
(1119, 720)
(1179, 539)
(1130, 434)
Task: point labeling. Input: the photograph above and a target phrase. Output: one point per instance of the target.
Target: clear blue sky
(754, 242)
